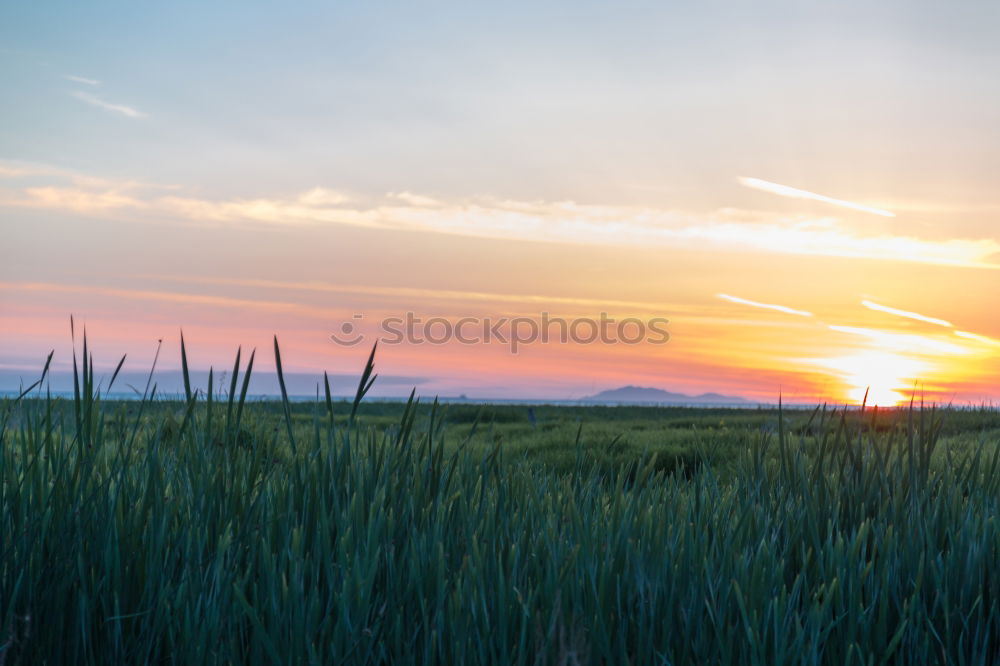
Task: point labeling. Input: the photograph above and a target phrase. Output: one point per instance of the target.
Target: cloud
(121, 109)
(82, 79)
(978, 338)
(536, 221)
(988, 341)
(321, 196)
(767, 306)
(173, 297)
(903, 342)
(80, 200)
(13, 172)
(907, 314)
(786, 191)
(18, 169)
(836, 242)
(417, 293)
(414, 199)
(68, 190)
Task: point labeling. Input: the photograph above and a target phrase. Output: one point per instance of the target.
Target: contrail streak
(978, 338)
(768, 306)
(907, 314)
(786, 191)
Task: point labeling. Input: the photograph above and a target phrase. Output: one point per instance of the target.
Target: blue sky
(633, 101)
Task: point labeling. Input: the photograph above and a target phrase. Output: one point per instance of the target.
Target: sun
(886, 377)
(875, 395)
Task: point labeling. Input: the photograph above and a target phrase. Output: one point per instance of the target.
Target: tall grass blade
(184, 369)
(365, 383)
(284, 398)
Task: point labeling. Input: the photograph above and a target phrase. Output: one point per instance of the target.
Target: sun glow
(886, 377)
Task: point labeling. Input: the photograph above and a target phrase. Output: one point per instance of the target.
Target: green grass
(216, 530)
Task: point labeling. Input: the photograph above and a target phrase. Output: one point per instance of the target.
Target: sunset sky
(809, 195)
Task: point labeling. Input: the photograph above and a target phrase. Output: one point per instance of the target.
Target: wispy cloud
(569, 222)
(82, 79)
(766, 306)
(83, 182)
(173, 297)
(414, 199)
(19, 169)
(983, 339)
(120, 109)
(536, 221)
(794, 193)
(422, 294)
(321, 196)
(13, 171)
(81, 200)
(906, 313)
(808, 239)
(978, 338)
(903, 342)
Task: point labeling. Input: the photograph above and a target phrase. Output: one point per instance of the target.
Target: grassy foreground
(225, 531)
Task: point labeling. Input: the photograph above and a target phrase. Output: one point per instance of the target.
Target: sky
(807, 194)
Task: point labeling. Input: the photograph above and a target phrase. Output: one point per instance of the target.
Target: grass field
(218, 530)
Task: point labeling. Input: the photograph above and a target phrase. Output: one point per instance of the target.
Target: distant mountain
(646, 395)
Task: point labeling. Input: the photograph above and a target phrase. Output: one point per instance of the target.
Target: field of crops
(219, 530)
